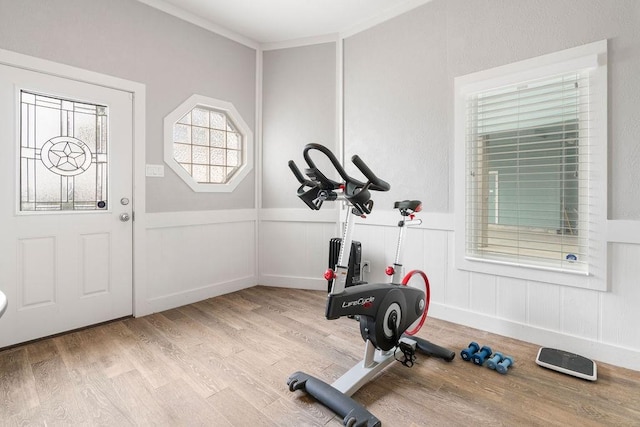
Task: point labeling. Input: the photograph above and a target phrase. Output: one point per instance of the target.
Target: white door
(66, 197)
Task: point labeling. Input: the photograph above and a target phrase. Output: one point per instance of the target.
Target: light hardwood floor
(225, 362)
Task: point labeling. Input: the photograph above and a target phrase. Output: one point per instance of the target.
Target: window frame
(593, 57)
(243, 129)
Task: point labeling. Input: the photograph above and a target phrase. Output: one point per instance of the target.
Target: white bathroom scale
(567, 363)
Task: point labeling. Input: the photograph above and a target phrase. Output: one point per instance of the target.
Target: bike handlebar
(321, 188)
(334, 161)
(376, 183)
(297, 173)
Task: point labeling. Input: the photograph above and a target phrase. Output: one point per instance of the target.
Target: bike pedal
(408, 348)
(407, 344)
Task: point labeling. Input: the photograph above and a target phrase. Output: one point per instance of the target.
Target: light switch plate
(155, 170)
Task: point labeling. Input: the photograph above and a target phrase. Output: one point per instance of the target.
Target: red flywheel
(415, 327)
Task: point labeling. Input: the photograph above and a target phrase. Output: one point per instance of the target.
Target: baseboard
(294, 282)
(190, 296)
(603, 352)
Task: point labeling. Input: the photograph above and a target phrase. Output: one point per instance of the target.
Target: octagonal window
(208, 144)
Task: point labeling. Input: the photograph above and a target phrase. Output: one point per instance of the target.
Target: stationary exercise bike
(389, 313)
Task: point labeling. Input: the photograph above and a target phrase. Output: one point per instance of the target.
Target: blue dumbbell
(494, 360)
(468, 353)
(503, 366)
(480, 356)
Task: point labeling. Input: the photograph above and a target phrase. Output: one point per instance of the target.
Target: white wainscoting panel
(434, 261)
(577, 312)
(619, 307)
(457, 288)
(483, 290)
(511, 299)
(193, 256)
(378, 248)
(543, 306)
(294, 247)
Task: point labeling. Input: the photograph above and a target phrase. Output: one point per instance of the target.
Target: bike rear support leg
(353, 414)
(337, 396)
(374, 361)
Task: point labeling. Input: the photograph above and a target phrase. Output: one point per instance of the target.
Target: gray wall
(398, 106)
(399, 85)
(299, 107)
(174, 59)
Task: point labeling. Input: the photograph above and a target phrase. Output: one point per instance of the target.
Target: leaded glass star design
(66, 156)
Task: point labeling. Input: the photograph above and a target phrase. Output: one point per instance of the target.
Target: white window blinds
(527, 159)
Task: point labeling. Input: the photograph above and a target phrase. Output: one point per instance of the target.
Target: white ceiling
(275, 21)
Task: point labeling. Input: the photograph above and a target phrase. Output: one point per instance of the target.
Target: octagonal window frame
(241, 127)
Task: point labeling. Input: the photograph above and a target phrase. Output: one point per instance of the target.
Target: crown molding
(201, 22)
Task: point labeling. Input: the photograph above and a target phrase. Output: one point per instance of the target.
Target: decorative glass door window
(63, 154)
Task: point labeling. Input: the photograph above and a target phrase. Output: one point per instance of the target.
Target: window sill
(579, 279)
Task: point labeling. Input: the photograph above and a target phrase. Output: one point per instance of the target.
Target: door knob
(124, 217)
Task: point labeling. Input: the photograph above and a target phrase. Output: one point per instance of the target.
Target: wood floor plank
(263, 298)
(27, 417)
(58, 391)
(222, 314)
(175, 332)
(41, 350)
(138, 399)
(143, 355)
(236, 300)
(238, 410)
(225, 339)
(113, 359)
(301, 411)
(185, 407)
(102, 403)
(225, 362)
(83, 349)
(237, 375)
(17, 383)
(180, 362)
(310, 338)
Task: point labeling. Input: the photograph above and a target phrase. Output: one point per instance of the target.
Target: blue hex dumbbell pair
(500, 363)
(468, 353)
(479, 355)
(494, 360)
(475, 354)
(504, 365)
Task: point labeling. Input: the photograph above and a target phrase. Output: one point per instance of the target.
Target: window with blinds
(531, 169)
(527, 159)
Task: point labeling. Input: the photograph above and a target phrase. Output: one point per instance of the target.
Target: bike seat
(407, 207)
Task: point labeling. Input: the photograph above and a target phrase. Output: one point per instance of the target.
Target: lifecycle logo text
(365, 302)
